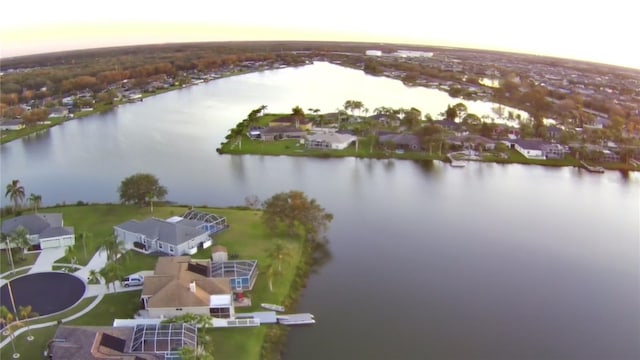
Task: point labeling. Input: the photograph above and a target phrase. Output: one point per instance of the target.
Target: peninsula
(406, 134)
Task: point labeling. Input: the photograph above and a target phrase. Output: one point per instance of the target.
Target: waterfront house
(472, 142)
(60, 111)
(330, 140)
(46, 230)
(401, 141)
(530, 148)
(179, 286)
(273, 133)
(386, 119)
(11, 124)
(145, 341)
(177, 235)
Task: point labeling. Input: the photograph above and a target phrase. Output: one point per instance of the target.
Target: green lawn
(19, 260)
(118, 305)
(16, 274)
(246, 237)
(30, 350)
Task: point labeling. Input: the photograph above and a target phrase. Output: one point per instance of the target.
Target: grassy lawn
(238, 343)
(30, 350)
(16, 274)
(98, 222)
(118, 305)
(81, 305)
(19, 260)
(246, 236)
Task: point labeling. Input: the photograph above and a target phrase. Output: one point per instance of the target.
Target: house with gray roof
(330, 140)
(401, 141)
(46, 230)
(171, 236)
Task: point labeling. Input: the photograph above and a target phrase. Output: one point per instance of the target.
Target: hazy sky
(601, 31)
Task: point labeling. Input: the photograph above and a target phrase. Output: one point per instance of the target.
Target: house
(140, 342)
(292, 121)
(472, 142)
(554, 151)
(60, 111)
(177, 235)
(453, 126)
(554, 132)
(401, 141)
(46, 230)
(179, 286)
(272, 133)
(330, 140)
(530, 148)
(11, 124)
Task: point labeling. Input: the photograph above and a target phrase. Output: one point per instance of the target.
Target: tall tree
(26, 312)
(295, 211)
(36, 201)
(94, 276)
(71, 252)
(111, 273)
(113, 248)
(20, 238)
(15, 192)
(138, 188)
(280, 253)
(9, 324)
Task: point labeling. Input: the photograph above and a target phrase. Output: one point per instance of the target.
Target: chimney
(192, 286)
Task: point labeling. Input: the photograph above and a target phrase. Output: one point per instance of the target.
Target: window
(160, 246)
(171, 248)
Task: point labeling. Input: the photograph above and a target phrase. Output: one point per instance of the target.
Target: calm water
(429, 262)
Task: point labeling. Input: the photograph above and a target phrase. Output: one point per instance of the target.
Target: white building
(373, 53)
(330, 141)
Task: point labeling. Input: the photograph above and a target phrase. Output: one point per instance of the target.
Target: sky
(596, 31)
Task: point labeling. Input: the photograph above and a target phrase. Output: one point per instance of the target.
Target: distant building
(373, 53)
(411, 53)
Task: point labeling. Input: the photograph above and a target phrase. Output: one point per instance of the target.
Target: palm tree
(71, 252)
(36, 201)
(113, 247)
(7, 320)
(83, 237)
(26, 312)
(15, 192)
(94, 276)
(111, 273)
(271, 272)
(198, 353)
(20, 238)
(280, 253)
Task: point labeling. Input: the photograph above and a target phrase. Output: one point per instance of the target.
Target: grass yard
(19, 260)
(246, 237)
(118, 305)
(30, 350)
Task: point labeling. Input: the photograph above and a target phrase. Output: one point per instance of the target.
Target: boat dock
(296, 319)
(454, 162)
(593, 169)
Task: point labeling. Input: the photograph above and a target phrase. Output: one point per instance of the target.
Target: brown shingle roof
(169, 287)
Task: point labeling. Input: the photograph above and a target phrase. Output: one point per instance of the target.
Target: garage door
(49, 243)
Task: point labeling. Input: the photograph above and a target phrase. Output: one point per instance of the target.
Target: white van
(132, 280)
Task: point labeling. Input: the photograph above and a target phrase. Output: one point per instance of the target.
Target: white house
(46, 230)
(12, 124)
(333, 141)
(530, 148)
(167, 236)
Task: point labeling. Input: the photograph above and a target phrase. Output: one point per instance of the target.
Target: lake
(484, 262)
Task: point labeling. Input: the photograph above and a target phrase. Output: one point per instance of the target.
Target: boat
(593, 169)
(273, 307)
(457, 164)
(296, 319)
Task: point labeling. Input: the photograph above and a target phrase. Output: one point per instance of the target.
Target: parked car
(132, 280)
